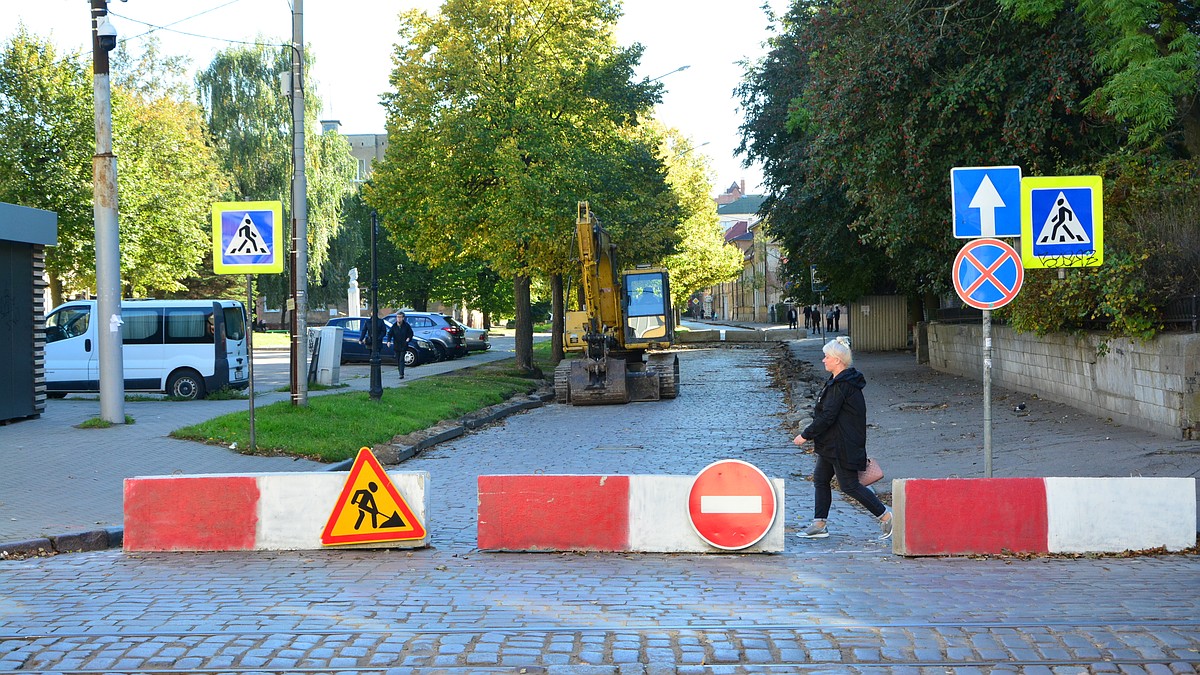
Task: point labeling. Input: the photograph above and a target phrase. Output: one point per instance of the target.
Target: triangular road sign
(247, 240)
(1062, 226)
(370, 509)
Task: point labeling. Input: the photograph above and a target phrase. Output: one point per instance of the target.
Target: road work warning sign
(370, 508)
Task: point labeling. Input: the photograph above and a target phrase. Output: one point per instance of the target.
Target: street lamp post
(376, 374)
(104, 209)
(680, 69)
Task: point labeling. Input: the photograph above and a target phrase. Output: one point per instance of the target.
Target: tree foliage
(862, 107)
(46, 147)
(503, 116)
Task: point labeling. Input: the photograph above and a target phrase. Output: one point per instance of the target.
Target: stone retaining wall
(1151, 385)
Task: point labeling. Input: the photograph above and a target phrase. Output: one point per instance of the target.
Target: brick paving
(839, 605)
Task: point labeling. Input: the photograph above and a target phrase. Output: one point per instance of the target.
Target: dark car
(419, 350)
(443, 331)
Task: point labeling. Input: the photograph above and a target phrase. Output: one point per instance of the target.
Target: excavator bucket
(598, 382)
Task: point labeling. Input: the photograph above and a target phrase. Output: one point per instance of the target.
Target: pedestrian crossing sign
(1062, 221)
(370, 509)
(247, 237)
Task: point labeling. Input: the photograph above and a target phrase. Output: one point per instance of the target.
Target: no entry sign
(732, 504)
(988, 273)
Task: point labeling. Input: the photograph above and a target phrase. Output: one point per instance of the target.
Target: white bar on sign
(731, 504)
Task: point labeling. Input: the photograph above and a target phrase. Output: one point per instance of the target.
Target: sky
(352, 40)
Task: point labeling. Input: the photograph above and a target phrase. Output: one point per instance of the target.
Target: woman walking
(839, 433)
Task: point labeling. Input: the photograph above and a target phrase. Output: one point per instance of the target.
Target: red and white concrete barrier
(644, 513)
(962, 516)
(266, 511)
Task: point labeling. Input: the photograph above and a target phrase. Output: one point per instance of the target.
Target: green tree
(167, 175)
(503, 116)
(250, 121)
(1149, 52)
(46, 144)
(703, 258)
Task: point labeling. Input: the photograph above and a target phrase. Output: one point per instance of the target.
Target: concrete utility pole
(108, 253)
(299, 215)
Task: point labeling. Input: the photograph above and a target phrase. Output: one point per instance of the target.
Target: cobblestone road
(840, 605)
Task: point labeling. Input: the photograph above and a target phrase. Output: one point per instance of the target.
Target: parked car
(419, 350)
(475, 339)
(443, 331)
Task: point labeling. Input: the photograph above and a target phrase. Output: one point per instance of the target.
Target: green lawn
(334, 426)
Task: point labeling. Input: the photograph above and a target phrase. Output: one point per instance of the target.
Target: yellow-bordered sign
(1062, 221)
(370, 508)
(247, 237)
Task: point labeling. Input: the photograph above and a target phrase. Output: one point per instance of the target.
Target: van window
(67, 323)
(141, 327)
(235, 323)
(189, 325)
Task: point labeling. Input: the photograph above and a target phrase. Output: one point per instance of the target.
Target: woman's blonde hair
(839, 348)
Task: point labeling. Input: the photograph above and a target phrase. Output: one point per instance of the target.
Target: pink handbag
(871, 474)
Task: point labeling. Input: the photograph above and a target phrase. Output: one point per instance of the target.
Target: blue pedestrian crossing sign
(986, 201)
(247, 237)
(1062, 221)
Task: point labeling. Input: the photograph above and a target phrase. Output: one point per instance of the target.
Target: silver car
(476, 339)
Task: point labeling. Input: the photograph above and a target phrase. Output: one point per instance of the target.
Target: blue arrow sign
(986, 201)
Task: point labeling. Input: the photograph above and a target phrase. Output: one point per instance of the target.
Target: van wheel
(56, 394)
(185, 384)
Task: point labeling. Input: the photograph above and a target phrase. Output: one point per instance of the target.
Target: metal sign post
(250, 354)
(987, 275)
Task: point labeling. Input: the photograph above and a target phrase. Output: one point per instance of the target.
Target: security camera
(106, 33)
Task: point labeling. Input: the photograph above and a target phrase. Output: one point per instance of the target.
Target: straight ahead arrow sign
(987, 200)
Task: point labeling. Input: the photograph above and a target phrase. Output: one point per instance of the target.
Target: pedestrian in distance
(380, 330)
(792, 316)
(839, 435)
(829, 321)
(400, 333)
(837, 318)
(807, 317)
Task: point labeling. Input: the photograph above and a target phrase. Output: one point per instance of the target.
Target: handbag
(871, 474)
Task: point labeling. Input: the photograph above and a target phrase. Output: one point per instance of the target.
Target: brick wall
(1149, 385)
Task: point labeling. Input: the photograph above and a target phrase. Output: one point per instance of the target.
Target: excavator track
(667, 367)
(562, 381)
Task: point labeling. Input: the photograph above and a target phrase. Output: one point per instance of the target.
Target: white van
(183, 348)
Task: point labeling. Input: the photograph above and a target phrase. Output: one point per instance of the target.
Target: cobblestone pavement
(839, 605)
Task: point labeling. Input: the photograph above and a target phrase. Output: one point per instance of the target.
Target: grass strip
(333, 427)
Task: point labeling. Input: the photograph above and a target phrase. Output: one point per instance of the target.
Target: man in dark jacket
(400, 333)
(839, 435)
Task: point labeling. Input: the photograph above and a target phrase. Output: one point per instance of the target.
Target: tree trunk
(557, 324)
(524, 325)
(56, 290)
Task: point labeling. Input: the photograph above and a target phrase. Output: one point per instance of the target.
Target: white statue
(353, 300)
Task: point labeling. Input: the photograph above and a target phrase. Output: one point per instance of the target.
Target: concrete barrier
(640, 513)
(965, 516)
(266, 511)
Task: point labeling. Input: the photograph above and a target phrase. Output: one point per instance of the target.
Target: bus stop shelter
(24, 235)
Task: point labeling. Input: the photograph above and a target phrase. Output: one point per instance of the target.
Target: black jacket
(839, 426)
(400, 333)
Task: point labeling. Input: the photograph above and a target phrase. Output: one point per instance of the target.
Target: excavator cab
(648, 319)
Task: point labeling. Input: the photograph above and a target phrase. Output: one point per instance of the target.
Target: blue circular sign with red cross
(988, 273)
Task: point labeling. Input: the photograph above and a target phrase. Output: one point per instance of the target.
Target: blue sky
(352, 41)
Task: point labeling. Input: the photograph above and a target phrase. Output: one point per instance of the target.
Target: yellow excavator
(625, 315)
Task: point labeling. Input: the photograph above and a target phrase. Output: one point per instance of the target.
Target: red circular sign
(988, 273)
(731, 504)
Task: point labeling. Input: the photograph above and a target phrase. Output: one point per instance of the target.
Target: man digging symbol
(365, 501)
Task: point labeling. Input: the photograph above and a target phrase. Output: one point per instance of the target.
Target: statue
(353, 300)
